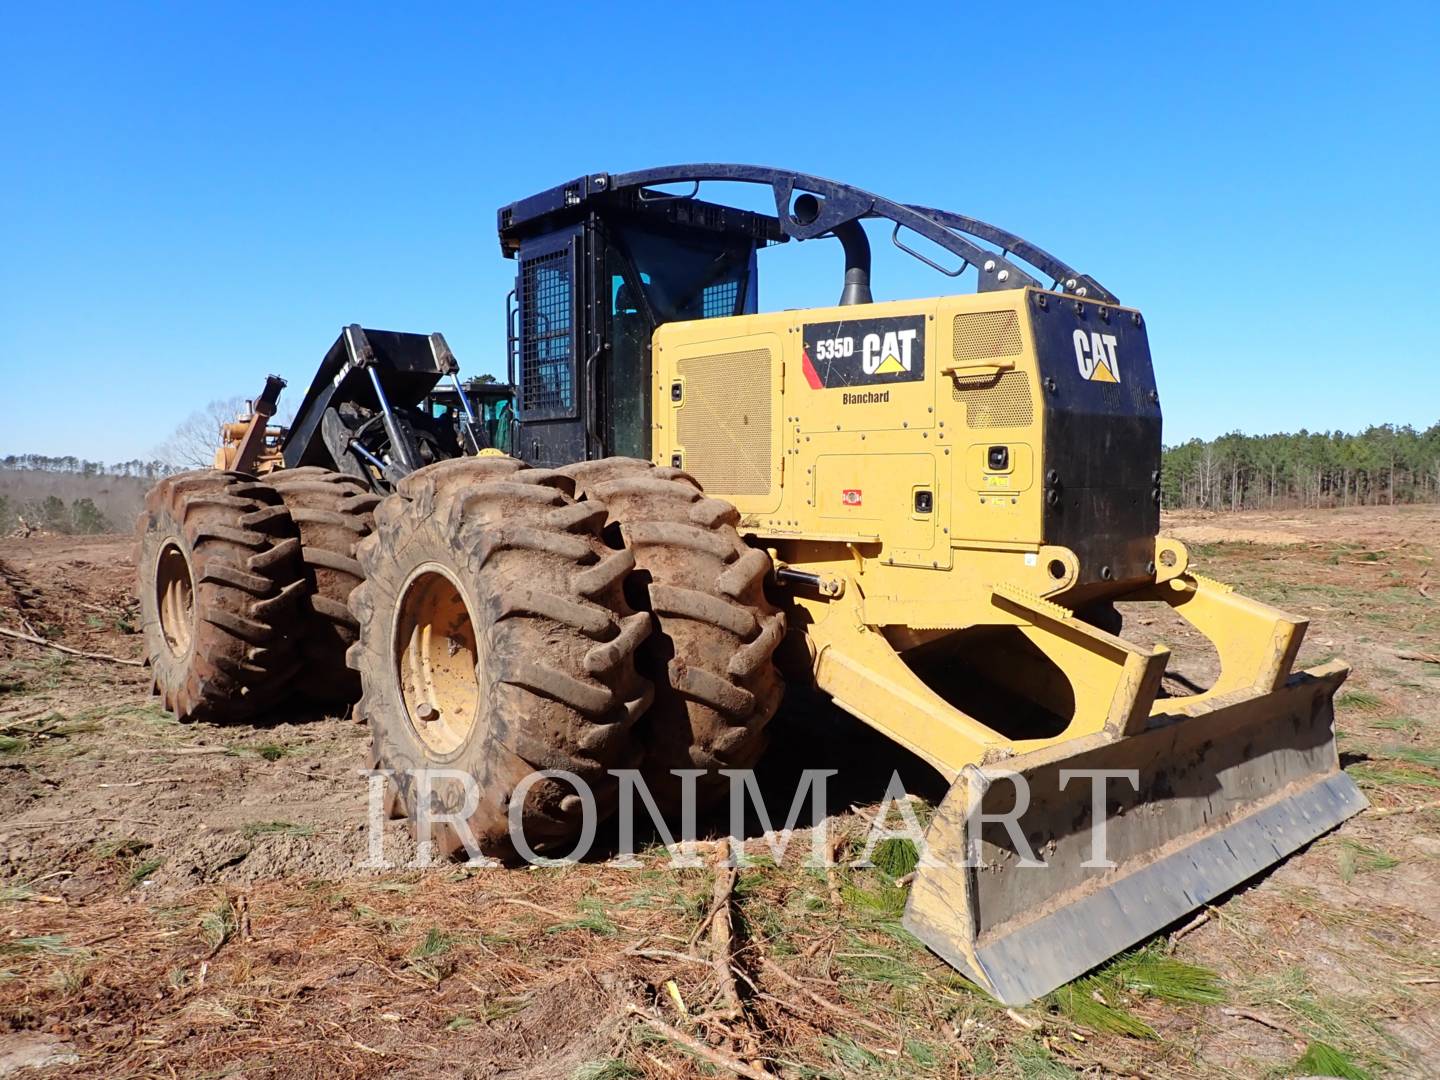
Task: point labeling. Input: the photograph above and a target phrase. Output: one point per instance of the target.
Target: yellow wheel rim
(175, 599)
(436, 657)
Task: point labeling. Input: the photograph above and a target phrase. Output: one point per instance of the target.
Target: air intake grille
(983, 334)
(725, 424)
(992, 402)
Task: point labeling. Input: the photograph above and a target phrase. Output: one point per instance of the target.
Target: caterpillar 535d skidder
(938, 501)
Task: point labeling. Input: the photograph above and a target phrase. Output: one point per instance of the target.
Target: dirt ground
(191, 901)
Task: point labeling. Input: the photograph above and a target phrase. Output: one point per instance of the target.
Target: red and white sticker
(850, 497)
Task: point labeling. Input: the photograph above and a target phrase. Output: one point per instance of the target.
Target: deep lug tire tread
(244, 555)
(333, 513)
(558, 645)
(711, 655)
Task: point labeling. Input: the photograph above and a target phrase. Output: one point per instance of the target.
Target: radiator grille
(983, 334)
(725, 423)
(992, 402)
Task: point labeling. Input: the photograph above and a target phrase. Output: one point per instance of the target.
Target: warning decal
(862, 352)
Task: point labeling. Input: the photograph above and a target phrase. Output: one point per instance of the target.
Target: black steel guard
(839, 204)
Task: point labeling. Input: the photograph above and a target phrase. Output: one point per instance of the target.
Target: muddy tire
(220, 585)
(712, 654)
(495, 641)
(333, 512)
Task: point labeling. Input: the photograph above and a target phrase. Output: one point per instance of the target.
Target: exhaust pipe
(857, 250)
(857, 264)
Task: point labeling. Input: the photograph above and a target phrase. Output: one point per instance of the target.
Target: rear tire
(712, 654)
(491, 605)
(219, 589)
(333, 512)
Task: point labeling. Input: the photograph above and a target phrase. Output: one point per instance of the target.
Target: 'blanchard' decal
(863, 352)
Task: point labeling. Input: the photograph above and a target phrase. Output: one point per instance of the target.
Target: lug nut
(427, 713)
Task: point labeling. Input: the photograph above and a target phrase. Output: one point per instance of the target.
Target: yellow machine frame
(898, 536)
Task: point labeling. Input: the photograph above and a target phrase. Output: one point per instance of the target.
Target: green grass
(1357, 858)
(267, 751)
(1149, 971)
(1412, 755)
(606, 1069)
(1402, 725)
(1101, 1002)
(850, 1055)
(592, 918)
(217, 925)
(48, 944)
(433, 956)
(1344, 1025)
(1375, 775)
(144, 870)
(896, 858)
(124, 847)
(1322, 1059)
(10, 744)
(251, 829)
(435, 943)
(1085, 1003)
(1034, 1061)
(865, 963)
(1364, 700)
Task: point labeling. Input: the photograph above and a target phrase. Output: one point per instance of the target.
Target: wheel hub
(175, 599)
(436, 657)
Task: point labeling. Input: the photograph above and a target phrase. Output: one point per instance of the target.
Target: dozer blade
(1226, 788)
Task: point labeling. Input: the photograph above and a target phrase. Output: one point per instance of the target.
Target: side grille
(996, 402)
(982, 334)
(725, 422)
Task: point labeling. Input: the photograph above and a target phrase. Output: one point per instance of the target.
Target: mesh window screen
(547, 361)
(718, 300)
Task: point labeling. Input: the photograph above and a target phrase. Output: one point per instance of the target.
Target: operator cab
(596, 276)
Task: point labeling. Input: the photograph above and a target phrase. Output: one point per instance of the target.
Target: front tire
(495, 642)
(712, 655)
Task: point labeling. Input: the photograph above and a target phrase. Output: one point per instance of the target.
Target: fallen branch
(667, 954)
(1423, 657)
(518, 902)
(772, 968)
(1265, 1021)
(1190, 927)
(722, 941)
(36, 640)
(699, 1049)
(138, 783)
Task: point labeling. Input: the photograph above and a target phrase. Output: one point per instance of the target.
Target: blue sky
(195, 195)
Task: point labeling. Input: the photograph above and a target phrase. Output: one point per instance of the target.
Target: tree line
(142, 470)
(1383, 465)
